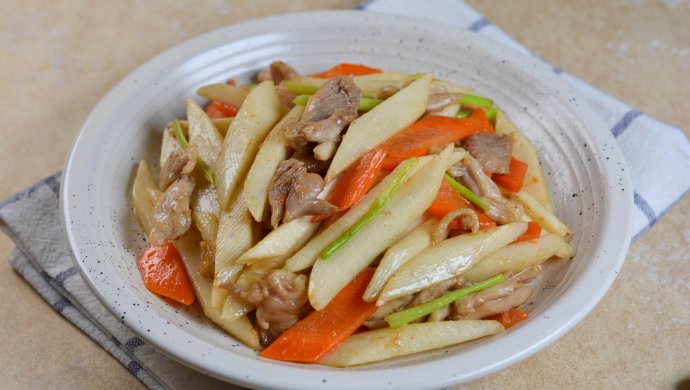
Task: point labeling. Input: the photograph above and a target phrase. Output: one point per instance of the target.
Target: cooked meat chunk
(172, 215)
(286, 97)
(387, 91)
(327, 113)
(279, 300)
(281, 71)
(293, 193)
(278, 71)
(491, 151)
(279, 188)
(180, 162)
(493, 300)
(303, 198)
(503, 211)
(437, 101)
(487, 188)
(310, 162)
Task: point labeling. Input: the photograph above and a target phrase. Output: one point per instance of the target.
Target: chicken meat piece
(293, 193)
(503, 211)
(494, 300)
(172, 214)
(491, 151)
(279, 298)
(179, 163)
(327, 113)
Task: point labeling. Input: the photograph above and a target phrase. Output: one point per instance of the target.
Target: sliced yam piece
(240, 328)
(235, 307)
(535, 183)
(387, 343)
(271, 153)
(398, 254)
(519, 256)
(285, 240)
(224, 93)
(373, 128)
(542, 215)
(406, 205)
(203, 133)
(145, 192)
(305, 257)
(447, 259)
(257, 116)
(236, 234)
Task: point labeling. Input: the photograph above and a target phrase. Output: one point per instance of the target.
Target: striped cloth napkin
(32, 218)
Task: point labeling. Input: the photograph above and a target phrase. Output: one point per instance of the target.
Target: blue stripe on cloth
(60, 305)
(363, 5)
(134, 367)
(644, 207)
(661, 214)
(479, 24)
(64, 275)
(624, 122)
(133, 343)
(50, 181)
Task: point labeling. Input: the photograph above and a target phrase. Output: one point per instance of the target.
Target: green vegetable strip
(475, 101)
(365, 104)
(466, 193)
(406, 316)
(374, 210)
(298, 88)
(179, 136)
(491, 113)
(464, 114)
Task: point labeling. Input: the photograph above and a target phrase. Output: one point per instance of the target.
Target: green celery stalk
(365, 104)
(179, 135)
(464, 114)
(298, 88)
(374, 210)
(475, 101)
(466, 193)
(406, 316)
(205, 169)
(491, 113)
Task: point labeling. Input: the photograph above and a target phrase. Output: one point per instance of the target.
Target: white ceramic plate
(583, 165)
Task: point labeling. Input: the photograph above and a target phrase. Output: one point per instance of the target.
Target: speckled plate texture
(581, 159)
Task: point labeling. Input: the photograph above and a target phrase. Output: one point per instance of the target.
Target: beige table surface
(57, 58)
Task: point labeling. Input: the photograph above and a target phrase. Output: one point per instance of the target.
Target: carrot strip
(509, 317)
(355, 181)
(312, 338)
(448, 199)
(515, 179)
(346, 70)
(163, 272)
(533, 232)
(215, 109)
(431, 131)
(232, 83)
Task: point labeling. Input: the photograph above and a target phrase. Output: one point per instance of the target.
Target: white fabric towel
(32, 218)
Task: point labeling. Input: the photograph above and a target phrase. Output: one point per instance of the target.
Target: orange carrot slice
(347, 70)
(163, 272)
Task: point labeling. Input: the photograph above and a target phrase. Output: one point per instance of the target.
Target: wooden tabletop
(60, 57)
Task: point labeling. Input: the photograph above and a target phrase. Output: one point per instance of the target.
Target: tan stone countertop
(60, 57)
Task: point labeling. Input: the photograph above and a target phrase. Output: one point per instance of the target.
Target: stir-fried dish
(347, 217)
